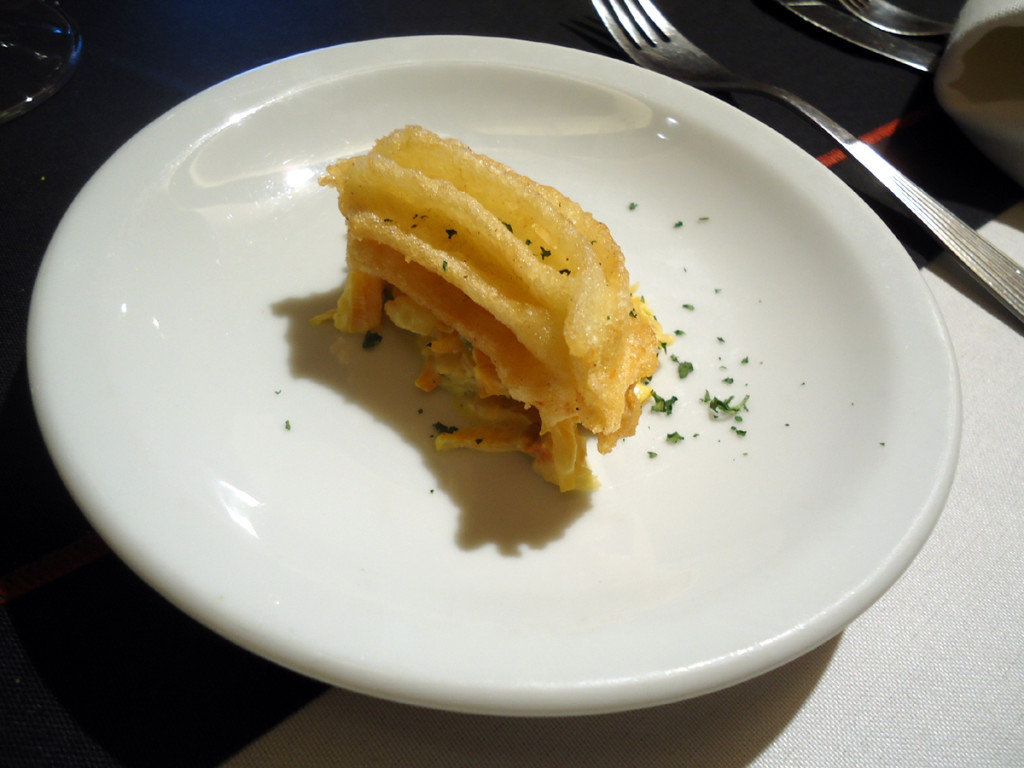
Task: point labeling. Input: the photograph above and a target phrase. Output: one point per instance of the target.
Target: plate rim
(616, 696)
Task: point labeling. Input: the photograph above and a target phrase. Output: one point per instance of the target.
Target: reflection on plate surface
(280, 485)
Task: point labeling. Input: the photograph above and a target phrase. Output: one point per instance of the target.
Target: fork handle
(996, 271)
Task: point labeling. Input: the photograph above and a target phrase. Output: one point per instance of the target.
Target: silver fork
(892, 18)
(651, 41)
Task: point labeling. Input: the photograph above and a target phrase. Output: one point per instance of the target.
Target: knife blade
(853, 30)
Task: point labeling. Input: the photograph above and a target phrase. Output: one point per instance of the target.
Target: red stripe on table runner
(51, 567)
(882, 132)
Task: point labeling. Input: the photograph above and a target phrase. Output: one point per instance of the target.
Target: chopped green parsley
(661, 404)
(720, 407)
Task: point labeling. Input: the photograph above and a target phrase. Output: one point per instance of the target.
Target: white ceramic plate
(170, 352)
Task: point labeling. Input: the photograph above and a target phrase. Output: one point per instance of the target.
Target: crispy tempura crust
(535, 288)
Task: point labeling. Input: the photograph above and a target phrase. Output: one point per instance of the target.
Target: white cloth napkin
(980, 80)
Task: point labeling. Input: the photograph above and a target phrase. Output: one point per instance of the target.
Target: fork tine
(650, 40)
(619, 25)
(650, 11)
(643, 21)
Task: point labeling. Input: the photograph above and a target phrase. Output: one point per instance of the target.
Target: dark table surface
(95, 668)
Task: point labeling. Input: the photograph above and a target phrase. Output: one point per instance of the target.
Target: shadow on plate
(501, 500)
(725, 729)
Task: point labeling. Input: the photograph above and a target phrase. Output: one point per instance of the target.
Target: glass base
(39, 50)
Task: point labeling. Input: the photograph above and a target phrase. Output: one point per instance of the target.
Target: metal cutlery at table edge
(895, 19)
(824, 15)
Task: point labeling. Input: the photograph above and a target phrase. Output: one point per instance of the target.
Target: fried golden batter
(520, 298)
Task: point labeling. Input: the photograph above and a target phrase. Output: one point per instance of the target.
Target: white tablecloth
(931, 675)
